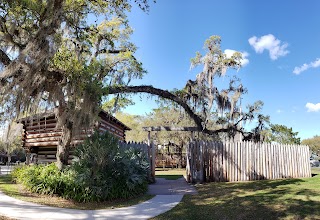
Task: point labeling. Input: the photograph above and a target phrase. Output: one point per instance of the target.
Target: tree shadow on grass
(226, 187)
(304, 209)
(266, 199)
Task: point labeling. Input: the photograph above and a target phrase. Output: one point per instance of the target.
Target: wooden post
(28, 154)
(27, 158)
(188, 164)
(151, 155)
(153, 164)
(200, 171)
(188, 171)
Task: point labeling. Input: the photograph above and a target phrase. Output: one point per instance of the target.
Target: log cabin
(40, 135)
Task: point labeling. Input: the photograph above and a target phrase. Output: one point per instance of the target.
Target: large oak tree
(68, 54)
(61, 54)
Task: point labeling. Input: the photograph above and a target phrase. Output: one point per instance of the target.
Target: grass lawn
(17, 191)
(170, 174)
(268, 199)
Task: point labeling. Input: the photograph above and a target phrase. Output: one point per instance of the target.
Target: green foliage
(109, 171)
(116, 104)
(313, 143)
(135, 122)
(11, 142)
(281, 134)
(101, 171)
(72, 60)
(44, 179)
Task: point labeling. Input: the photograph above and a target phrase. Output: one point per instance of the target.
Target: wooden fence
(244, 161)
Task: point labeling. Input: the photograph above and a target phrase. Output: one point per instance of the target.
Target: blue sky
(280, 41)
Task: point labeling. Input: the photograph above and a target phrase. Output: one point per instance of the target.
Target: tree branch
(111, 51)
(159, 92)
(168, 95)
(4, 59)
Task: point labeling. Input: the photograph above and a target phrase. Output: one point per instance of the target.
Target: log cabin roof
(114, 119)
(50, 114)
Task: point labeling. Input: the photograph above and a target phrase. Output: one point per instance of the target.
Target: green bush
(40, 179)
(46, 179)
(109, 171)
(102, 170)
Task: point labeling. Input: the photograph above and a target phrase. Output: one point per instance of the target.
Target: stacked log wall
(41, 136)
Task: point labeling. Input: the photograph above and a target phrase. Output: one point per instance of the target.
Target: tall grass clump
(101, 171)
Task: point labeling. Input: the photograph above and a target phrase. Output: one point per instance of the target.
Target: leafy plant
(109, 171)
(102, 170)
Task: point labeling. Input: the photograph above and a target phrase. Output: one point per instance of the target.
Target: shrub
(101, 171)
(40, 179)
(109, 171)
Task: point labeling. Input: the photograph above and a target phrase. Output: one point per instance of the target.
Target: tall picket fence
(245, 161)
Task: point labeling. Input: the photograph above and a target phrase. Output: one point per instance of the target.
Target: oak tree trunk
(63, 147)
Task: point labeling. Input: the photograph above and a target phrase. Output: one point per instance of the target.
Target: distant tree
(12, 140)
(201, 98)
(282, 134)
(135, 122)
(313, 143)
(173, 116)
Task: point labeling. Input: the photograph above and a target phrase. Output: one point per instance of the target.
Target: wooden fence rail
(245, 161)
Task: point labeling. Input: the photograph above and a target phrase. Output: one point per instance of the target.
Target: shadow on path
(163, 186)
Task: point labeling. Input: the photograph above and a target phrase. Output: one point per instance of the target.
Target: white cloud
(315, 63)
(269, 42)
(299, 69)
(313, 107)
(244, 61)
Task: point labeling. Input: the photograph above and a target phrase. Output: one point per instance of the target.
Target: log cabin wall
(113, 125)
(41, 136)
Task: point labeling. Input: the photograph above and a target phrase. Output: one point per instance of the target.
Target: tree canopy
(135, 122)
(281, 134)
(201, 98)
(63, 54)
(313, 143)
(69, 54)
(11, 141)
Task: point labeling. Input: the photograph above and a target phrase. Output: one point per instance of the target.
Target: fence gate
(244, 161)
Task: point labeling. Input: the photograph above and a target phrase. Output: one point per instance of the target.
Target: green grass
(170, 174)
(18, 192)
(268, 199)
(315, 170)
